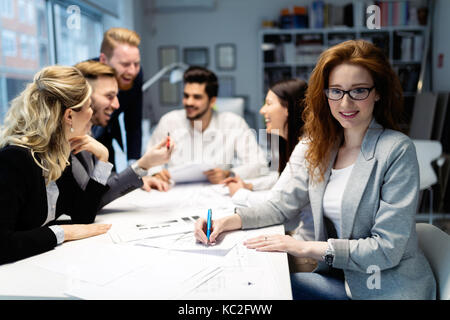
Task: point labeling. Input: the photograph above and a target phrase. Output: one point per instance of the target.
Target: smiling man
(102, 79)
(222, 140)
(120, 50)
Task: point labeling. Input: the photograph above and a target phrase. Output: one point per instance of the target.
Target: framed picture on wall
(225, 56)
(169, 93)
(196, 56)
(167, 55)
(226, 86)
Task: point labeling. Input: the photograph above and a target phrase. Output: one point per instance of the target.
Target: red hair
(321, 128)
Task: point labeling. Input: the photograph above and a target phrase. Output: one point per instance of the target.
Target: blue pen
(208, 227)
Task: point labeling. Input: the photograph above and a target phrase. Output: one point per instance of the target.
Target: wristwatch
(140, 172)
(328, 258)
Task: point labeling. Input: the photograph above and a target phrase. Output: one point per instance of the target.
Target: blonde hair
(35, 118)
(114, 36)
(92, 70)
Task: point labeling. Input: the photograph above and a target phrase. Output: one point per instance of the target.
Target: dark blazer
(119, 183)
(23, 202)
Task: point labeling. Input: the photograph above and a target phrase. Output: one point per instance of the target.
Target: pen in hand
(208, 226)
(168, 141)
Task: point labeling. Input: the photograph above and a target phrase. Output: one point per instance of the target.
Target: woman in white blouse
(361, 178)
(282, 113)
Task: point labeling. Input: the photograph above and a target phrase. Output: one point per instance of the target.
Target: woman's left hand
(236, 183)
(88, 143)
(275, 243)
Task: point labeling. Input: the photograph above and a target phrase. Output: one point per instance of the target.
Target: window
(24, 46)
(7, 9)
(78, 34)
(9, 43)
(28, 43)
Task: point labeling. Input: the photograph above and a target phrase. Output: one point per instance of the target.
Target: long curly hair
(35, 118)
(321, 128)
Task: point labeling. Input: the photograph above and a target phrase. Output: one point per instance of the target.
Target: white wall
(441, 45)
(126, 17)
(238, 21)
(235, 21)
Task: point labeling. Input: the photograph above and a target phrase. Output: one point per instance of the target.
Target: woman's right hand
(218, 226)
(82, 231)
(88, 143)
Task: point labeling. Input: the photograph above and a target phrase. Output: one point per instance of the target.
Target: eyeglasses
(355, 94)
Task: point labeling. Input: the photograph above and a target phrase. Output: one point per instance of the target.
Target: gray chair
(427, 152)
(435, 244)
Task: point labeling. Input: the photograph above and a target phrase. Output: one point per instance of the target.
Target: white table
(243, 273)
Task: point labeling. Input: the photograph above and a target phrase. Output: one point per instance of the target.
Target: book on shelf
(316, 14)
(308, 47)
(408, 46)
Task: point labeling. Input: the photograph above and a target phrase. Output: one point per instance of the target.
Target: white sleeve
(102, 171)
(264, 182)
(251, 158)
(157, 136)
(246, 198)
(296, 161)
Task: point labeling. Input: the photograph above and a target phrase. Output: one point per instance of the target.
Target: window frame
(86, 10)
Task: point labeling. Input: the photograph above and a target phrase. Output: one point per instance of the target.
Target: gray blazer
(378, 219)
(119, 183)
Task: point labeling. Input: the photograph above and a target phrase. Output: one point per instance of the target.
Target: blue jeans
(314, 286)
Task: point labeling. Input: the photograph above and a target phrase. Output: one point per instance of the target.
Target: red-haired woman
(360, 177)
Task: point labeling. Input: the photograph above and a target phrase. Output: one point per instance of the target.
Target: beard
(197, 116)
(125, 87)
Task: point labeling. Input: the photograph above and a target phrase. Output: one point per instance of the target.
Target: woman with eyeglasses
(361, 179)
(36, 181)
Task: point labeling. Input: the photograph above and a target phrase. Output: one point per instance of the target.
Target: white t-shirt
(332, 198)
(227, 143)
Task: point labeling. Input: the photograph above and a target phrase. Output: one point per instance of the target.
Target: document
(187, 242)
(140, 231)
(192, 172)
(185, 272)
(98, 264)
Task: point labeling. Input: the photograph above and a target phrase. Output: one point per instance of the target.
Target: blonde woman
(36, 184)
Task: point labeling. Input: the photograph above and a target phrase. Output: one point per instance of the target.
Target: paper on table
(156, 281)
(187, 242)
(192, 172)
(234, 283)
(99, 263)
(142, 231)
